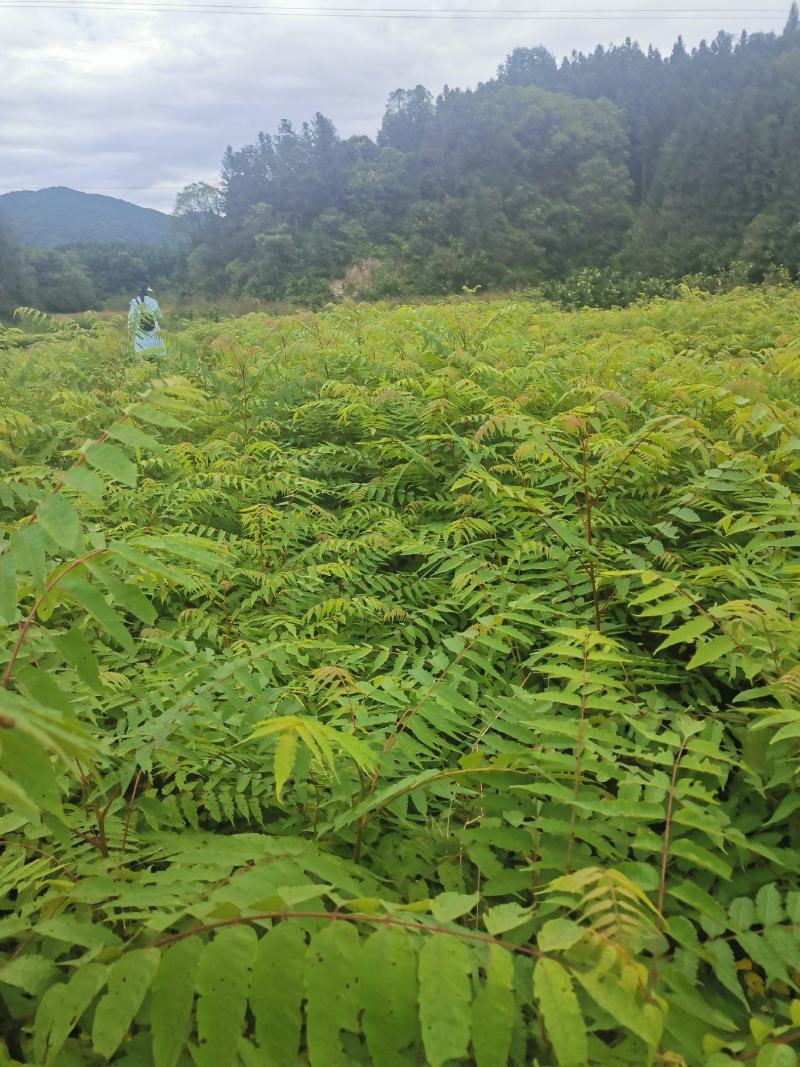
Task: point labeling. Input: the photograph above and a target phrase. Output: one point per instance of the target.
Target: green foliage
(403, 686)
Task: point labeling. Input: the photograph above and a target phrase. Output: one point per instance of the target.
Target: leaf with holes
(173, 999)
(128, 981)
(445, 998)
(276, 995)
(331, 984)
(561, 1012)
(388, 984)
(223, 985)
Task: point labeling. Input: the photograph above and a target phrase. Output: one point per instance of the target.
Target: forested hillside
(62, 250)
(622, 164)
(47, 218)
(655, 165)
(79, 276)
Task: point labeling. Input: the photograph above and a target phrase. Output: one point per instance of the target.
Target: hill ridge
(59, 215)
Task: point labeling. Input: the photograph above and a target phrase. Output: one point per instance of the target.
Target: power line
(237, 9)
(401, 14)
(311, 9)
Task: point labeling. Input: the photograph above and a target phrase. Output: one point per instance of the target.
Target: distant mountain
(50, 217)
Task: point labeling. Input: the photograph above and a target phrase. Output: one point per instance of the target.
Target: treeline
(625, 163)
(79, 276)
(630, 161)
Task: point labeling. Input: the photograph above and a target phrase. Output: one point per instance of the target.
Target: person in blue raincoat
(143, 322)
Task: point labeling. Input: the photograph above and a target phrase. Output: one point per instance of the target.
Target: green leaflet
(173, 998)
(33, 974)
(759, 949)
(723, 963)
(14, 797)
(27, 546)
(703, 857)
(776, 1056)
(150, 564)
(73, 647)
(505, 917)
(384, 797)
(688, 632)
(561, 1012)
(559, 934)
(276, 995)
(128, 981)
(44, 689)
(692, 894)
(711, 651)
(331, 984)
(668, 607)
(786, 733)
(742, 913)
(74, 931)
(60, 1009)
(445, 997)
(8, 587)
(449, 906)
(612, 994)
(285, 754)
(494, 1010)
(112, 461)
(59, 518)
(205, 553)
(93, 601)
(155, 415)
(85, 481)
(769, 907)
(223, 986)
(126, 595)
(388, 992)
(31, 768)
(133, 436)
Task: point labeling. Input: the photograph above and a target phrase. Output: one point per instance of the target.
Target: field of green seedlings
(411, 686)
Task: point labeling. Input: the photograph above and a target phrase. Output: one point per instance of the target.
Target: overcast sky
(137, 102)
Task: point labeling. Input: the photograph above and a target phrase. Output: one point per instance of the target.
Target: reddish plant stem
(576, 778)
(662, 881)
(351, 917)
(29, 620)
(589, 534)
(101, 841)
(129, 812)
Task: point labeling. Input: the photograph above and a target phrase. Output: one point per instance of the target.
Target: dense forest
(623, 162)
(80, 276)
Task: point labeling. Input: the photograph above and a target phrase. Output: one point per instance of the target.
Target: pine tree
(793, 23)
(679, 52)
